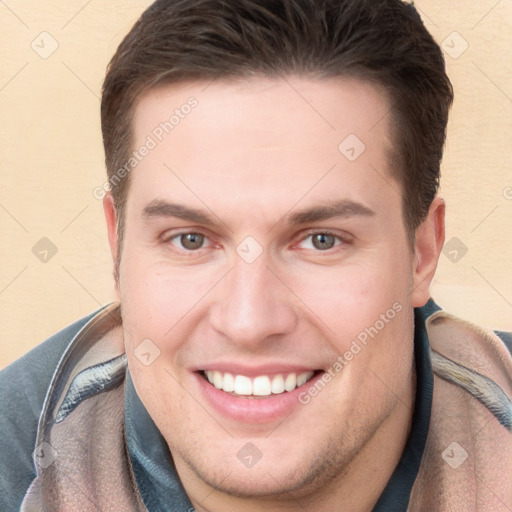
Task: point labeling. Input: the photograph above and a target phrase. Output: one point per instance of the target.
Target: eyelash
(341, 241)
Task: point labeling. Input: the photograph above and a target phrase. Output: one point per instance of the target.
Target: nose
(254, 306)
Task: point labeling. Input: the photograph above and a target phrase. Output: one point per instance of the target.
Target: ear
(111, 219)
(429, 240)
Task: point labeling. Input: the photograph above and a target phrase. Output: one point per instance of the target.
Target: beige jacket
(466, 466)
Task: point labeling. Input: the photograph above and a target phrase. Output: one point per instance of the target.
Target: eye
(320, 241)
(188, 241)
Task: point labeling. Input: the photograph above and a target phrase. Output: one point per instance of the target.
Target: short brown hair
(382, 41)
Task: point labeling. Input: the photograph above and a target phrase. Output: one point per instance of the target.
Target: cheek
(156, 297)
(349, 301)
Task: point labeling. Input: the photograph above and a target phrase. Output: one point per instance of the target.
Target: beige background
(51, 159)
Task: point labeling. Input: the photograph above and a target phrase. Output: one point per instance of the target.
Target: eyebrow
(160, 208)
(330, 210)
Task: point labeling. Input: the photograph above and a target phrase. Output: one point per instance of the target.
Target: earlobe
(428, 244)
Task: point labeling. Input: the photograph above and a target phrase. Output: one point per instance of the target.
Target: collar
(152, 464)
(396, 495)
(158, 481)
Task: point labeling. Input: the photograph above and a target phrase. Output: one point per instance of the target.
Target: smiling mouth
(257, 387)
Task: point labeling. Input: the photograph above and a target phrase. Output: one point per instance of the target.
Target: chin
(282, 476)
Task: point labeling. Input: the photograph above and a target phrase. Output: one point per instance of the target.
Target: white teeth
(302, 379)
(278, 384)
(229, 383)
(243, 385)
(259, 386)
(217, 380)
(290, 382)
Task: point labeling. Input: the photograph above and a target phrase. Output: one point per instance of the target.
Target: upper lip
(255, 371)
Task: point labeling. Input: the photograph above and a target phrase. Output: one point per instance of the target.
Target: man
(274, 226)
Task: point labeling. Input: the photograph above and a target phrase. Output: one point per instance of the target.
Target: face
(265, 257)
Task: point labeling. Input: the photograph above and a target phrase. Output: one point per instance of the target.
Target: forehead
(280, 139)
(322, 106)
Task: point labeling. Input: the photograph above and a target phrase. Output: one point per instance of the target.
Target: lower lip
(256, 410)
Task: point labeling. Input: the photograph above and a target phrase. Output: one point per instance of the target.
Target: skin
(251, 154)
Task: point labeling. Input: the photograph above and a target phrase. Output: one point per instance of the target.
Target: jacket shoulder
(468, 345)
(23, 387)
(471, 420)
